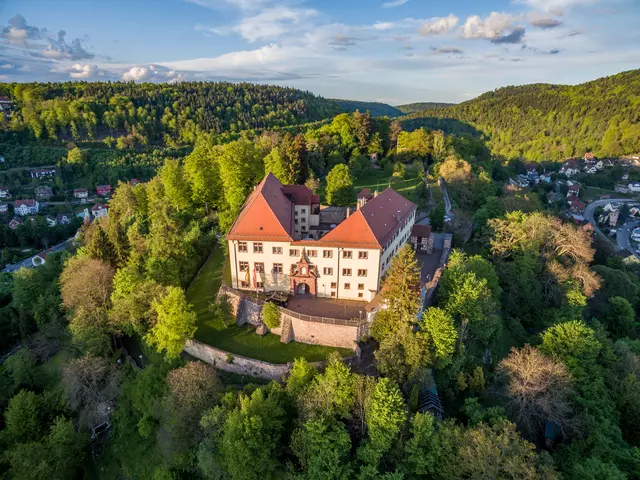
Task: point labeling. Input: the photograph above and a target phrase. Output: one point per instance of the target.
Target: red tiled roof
(300, 194)
(97, 206)
(422, 231)
(29, 203)
(374, 223)
(267, 214)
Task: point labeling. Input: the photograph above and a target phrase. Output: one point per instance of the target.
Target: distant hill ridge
(419, 106)
(377, 109)
(548, 122)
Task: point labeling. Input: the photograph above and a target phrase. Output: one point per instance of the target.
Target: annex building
(283, 240)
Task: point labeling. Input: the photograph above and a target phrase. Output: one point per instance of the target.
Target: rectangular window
(259, 285)
(293, 252)
(242, 247)
(360, 295)
(257, 247)
(244, 266)
(347, 286)
(259, 266)
(296, 221)
(312, 253)
(277, 250)
(304, 220)
(304, 210)
(334, 285)
(347, 254)
(362, 273)
(327, 253)
(361, 286)
(333, 294)
(346, 272)
(244, 284)
(363, 255)
(277, 268)
(327, 271)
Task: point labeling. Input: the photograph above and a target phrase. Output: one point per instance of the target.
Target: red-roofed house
(103, 190)
(81, 193)
(576, 205)
(573, 191)
(99, 210)
(15, 223)
(26, 207)
(570, 167)
(270, 250)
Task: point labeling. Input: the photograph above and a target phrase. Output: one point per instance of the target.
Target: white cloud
(557, 5)
(383, 25)
(271, 22)
(394, 3)
(84, 71)
(494, 27)
(152, 72)
(7, 66)
(439, 25)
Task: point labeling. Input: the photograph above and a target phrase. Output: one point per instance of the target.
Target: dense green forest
(533, 338)
(376, 109)
(550, 122)
(151, 113)
(419, 106)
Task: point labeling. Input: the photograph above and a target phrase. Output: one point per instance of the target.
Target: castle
(283, 240)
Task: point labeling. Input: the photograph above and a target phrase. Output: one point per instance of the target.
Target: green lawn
(380, 180)
(241, 340)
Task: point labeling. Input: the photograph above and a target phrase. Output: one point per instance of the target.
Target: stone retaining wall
(236, 363)
(331, 332)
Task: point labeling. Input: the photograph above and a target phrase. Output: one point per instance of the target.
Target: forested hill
(418, 107)
(154, 112)
(551, 122)
(376, 109)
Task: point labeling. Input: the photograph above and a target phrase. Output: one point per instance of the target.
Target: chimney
(375, 194)
(348, 211)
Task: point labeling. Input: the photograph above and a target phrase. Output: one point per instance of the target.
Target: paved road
(624, 232)
(27, 263)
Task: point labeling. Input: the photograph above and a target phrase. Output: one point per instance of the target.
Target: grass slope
(380, 180)
(241, 340)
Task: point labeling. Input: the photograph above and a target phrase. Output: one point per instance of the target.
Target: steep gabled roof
(266, 215)
(374, 223)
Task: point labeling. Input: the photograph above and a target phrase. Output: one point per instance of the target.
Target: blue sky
(393, 51)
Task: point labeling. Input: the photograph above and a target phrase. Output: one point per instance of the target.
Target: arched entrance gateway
(303, 277)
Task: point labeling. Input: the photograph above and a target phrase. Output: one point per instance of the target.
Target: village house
(532, 173)
(4, 207)
(43, 192)
(51, 221)
(343, 261)
(546, 178)
(4, 192)
(99, 210)
(576, 205)
(573, 190)
(80, 193)
(84, 214)
(591, 168)
(63, 219)
(609, 217)
(589, 157)
(635, 235)
(43, 172)
(634, 187)
(15, 223)
(26, 207)
(421, 239)
(41, 258)
(103, 190)
(570, 167)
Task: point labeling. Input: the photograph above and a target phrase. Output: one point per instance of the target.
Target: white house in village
(99, 210)
(279, 242)
(26, 207)
(4, 192)
(634, 187)
(570, 167)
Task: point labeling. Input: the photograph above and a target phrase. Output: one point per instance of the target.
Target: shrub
(271, 315)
